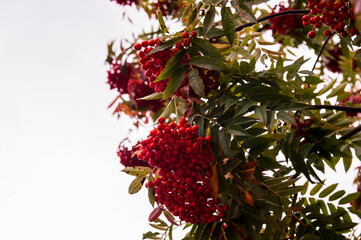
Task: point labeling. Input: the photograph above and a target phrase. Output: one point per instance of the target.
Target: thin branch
(341, 108)
(351, 133)
(288, 12)
(321, 50)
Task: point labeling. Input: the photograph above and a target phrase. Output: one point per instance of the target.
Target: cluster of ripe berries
(352, 99)
(118, 76)
(167, 7)
(184, 161)
(153, 64)
(128, 157)
(129, 80)
(126, 2)
(337, 15)
(286, 24)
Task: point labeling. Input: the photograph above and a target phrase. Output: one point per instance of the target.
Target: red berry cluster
(129, 80)
(352, 99)
(138, 88)
(183, 159)
(126, 2)
(118, 76)
(332, 63)
(285, 24)
(337, 15)
(167, 7)
(128, 157)
(153, 65)
(357, 202)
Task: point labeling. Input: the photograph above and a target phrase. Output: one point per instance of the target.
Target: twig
(341, 108)
(321, 50)
(351, 133)
(288, 12)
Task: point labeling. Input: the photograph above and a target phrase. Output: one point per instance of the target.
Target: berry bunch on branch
(242, 132)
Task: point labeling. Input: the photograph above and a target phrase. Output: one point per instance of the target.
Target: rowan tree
(240, 126)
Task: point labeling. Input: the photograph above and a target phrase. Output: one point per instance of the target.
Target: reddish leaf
(247, 170)
(248, 199)
(214, 181)
(170, 218)
(154, 215)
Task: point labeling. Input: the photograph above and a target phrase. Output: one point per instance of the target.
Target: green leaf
(349, 198)
(152, 96)
(175, 81)
(151, 235)
(347, 161)
(327, 191)
(228, 24)
(312, 80)
(316, 188)
(344, 49)
(223, 139)
(337, 90)
(168, 110)
(137, 171)
(165, 45)
(336, 195)
(136, 185)
(161, 21)
(208, 63)
(172, 65)
(286, 117)
(327, 87)
(196, 82)
(291, 190)
(209, 20)
(151, 196)
(303, 192)
(159, 227)
(206, 48)
(215, 141)
(248, 10)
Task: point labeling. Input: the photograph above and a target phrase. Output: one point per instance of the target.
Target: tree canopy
(242, 128)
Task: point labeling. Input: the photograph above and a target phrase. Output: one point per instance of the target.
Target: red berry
(194, 34)
(161, 120)
(185, 34)
(353, 31)
(306, 24)
(145, 44)
(344, 34)
(137, 46)
(327, 33)
(311, 34)
(186, 41)
(306, 18)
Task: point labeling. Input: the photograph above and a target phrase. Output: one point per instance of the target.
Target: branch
(288, 12)
(341, 108)
(321, 50)
(351, 133)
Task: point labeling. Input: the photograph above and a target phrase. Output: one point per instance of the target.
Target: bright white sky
(59, 174)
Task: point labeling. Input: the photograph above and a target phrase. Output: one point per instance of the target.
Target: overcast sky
(59, 174)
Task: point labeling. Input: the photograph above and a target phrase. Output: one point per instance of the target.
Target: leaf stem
(321, 50)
